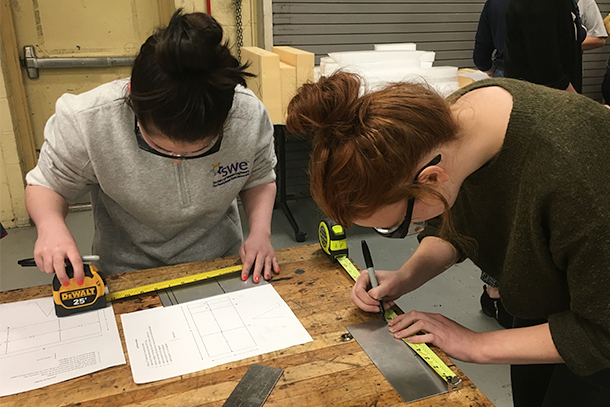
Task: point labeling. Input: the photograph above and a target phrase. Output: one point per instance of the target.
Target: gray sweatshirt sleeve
(63, 165)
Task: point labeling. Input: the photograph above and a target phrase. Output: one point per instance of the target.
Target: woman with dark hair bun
(164, 154)
(509, 174)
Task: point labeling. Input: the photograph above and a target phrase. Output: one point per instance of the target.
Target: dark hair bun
(183, 80)
(329, 106)
(189, 45)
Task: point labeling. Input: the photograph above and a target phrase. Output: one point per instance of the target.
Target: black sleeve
(535, 24)
(483, 42)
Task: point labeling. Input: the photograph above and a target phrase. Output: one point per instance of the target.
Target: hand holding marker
(368, 260)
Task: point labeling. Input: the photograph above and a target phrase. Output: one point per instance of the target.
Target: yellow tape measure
(333, 242)
(332, 239)
(171, 283)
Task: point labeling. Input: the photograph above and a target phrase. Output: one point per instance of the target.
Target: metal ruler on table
(254, 388)
(171, 283)
(334, 243)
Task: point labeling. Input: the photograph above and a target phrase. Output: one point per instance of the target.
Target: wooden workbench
(325, 372)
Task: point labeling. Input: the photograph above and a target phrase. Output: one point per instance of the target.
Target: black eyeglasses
(406, 228)
(168, 154)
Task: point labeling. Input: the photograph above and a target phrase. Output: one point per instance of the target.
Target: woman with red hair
(509, 174)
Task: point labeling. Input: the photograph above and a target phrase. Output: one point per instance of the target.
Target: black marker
(368, 260)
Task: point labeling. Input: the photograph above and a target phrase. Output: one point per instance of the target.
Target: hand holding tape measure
(72, 298)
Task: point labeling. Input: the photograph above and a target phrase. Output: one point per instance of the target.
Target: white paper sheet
(172, 341)
(38, 349)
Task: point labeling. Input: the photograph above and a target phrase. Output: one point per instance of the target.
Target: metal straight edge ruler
(453, 381)
(171, 283)
(254, 387)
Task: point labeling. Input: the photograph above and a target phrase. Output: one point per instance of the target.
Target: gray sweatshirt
(148, 210)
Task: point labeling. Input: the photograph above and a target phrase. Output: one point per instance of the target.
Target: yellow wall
(224, 12)
(60, 28)
(12, 202)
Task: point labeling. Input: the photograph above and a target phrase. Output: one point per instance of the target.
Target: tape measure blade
(431, 358)
(171, 283)
(349, 267)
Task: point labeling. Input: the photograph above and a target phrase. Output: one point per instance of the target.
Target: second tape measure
(334, 243)
(332, 239)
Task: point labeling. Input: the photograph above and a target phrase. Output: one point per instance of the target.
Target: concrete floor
(454, 293)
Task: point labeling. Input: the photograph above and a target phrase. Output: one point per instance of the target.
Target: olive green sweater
(540, 215)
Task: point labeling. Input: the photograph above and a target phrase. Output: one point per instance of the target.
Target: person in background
(592, 20)
(543, 43)
(498, 174)
(490, 39)
(164, 155)
(606, 81)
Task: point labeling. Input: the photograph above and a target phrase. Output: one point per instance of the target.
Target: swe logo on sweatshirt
(227, 173)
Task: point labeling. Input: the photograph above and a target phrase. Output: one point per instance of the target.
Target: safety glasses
(168, 154)
(407, 228)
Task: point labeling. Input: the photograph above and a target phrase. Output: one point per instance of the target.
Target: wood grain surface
(325, 372)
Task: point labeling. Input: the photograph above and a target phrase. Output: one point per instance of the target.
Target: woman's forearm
(258, 206)
(531, 345)
(433, 256)
(45, 206)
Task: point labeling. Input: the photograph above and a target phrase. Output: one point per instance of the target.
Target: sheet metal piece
(410, 376)
(207, 288)
(254, 388)
(233, 282)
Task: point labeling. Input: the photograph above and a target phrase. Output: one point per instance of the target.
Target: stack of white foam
(393, 63)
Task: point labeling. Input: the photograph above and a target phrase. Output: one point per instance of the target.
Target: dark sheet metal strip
(254, 388)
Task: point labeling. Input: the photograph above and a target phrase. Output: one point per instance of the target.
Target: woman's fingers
(411, 323)
(59, 266)
(360, 296)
